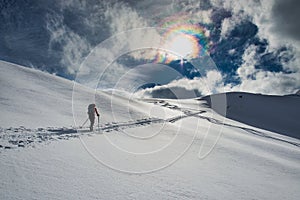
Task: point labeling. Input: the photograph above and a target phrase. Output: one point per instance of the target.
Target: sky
(208, 46)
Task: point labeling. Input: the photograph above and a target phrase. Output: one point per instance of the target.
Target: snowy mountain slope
(34, 99)
(279, 114)
(191, 152)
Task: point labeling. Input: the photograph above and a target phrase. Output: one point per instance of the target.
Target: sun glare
(182, 45)
(183, 41)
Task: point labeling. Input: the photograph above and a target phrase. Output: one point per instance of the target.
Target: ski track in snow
(188, 113)
(20, 137)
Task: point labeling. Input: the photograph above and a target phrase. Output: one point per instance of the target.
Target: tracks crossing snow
(20, 137)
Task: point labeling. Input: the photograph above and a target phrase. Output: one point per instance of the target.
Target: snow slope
(30, 98)
(279, 114)
(35, 99)
(143, 149)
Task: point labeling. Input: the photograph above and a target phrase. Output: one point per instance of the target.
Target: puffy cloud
(261, 81)
(229, 24)
(270, 83)
(277, 20)
(211, 83)
(278, 23)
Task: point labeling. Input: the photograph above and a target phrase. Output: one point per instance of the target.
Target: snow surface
(275, 113)
(142, 149)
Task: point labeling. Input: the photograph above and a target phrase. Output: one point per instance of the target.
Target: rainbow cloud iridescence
(181, 40)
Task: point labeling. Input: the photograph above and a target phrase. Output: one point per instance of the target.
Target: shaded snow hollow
(142, 149)
(279, 114)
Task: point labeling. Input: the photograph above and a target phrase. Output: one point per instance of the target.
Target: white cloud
(251, 80)
(211, 83)
(229, 24)
(123, 18)
(260, 13)
(261, 81)
(192, 9)
(257, 80)
(231, 51)
(270, 83)
(74, 47)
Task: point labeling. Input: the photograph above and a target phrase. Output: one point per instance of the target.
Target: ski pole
(84, 123)
(98, 124)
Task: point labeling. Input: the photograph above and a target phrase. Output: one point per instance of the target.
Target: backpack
(91, 109)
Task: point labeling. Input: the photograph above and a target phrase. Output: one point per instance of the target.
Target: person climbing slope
(91, 112)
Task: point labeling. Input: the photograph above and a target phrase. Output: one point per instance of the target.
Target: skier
(91, 112)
